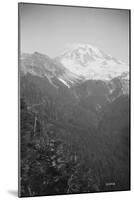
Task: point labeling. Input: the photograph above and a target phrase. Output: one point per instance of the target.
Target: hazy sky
(48, 29)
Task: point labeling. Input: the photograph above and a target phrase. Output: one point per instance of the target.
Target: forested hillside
(74, 135)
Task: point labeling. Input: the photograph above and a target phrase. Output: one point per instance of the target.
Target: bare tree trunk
(35, 123)
(29, 190)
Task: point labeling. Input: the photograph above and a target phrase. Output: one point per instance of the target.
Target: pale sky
(48, 29)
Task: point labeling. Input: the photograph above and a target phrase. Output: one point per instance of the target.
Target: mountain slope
(43, 66)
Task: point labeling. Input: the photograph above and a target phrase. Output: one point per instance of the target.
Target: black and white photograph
(74, 99)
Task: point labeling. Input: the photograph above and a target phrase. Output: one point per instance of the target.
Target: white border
(9, 94)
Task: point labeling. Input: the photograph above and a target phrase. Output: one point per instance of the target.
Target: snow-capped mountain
(79, 63)
(92, 63)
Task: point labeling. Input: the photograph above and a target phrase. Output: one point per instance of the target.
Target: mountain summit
(92, 63)
(77, 64)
